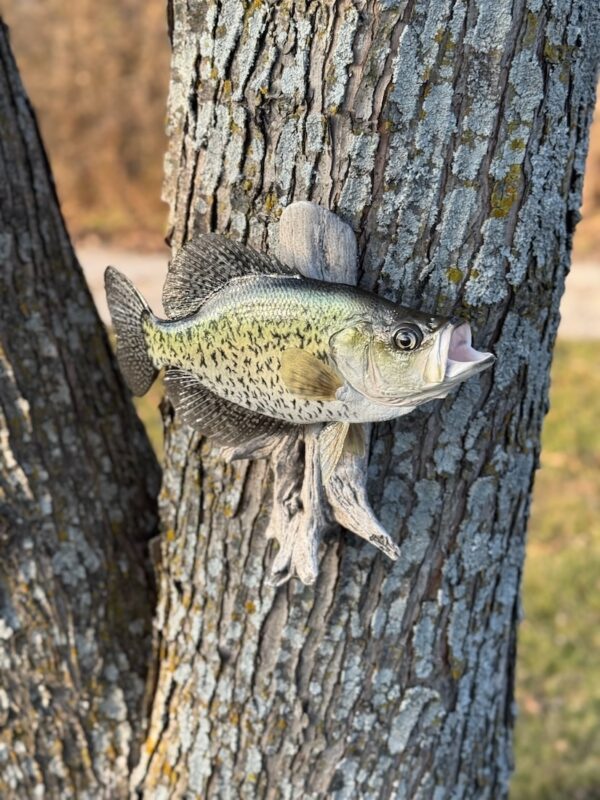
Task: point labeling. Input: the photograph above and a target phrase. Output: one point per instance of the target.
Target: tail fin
(128, 310)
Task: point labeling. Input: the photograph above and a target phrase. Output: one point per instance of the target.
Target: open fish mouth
(463, 359)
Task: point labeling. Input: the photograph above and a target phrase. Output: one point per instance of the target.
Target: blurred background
(97, 74)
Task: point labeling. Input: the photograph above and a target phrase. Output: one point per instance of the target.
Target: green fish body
(252, 348)
(239, 340)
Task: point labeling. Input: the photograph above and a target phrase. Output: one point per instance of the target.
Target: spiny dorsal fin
(206, 264)
(307, 376)
(223, 422)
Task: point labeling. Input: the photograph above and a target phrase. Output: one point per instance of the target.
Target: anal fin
(223, 422)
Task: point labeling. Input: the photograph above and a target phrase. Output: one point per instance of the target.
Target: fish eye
(408, 337)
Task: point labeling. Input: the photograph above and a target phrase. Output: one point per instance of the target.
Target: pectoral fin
(307, 376)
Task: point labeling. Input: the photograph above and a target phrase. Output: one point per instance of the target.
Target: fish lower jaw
(464, 369)
(463, 359)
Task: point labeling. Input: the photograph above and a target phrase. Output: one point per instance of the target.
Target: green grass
(558, 665)
(558, 671)
(149, 412)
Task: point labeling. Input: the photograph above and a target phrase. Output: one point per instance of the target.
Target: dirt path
(580, 307)
(147, 271)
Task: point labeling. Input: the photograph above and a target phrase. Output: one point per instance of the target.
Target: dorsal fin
(207, 263)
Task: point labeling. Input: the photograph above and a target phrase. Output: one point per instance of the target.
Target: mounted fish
(253, 349)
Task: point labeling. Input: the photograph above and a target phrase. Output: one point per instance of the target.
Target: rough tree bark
(78, 483)
(451, 135)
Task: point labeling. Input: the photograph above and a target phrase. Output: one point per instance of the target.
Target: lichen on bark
(451, 136)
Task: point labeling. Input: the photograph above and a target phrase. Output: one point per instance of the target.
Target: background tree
(98, 76)
(78, 482)
(451, 137)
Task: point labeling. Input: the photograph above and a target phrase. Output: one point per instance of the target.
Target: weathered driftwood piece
(298, 517)
(319, 245)
(78, 482)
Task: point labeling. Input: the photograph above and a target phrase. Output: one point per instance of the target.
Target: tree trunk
(78, 483)
(451, 136)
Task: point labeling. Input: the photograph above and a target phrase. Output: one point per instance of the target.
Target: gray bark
(78, 483)
(451, 136)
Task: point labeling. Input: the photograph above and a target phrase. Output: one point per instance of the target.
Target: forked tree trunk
(78, 482)
(452, 137)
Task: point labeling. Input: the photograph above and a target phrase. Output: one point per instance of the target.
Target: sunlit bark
(452, 137)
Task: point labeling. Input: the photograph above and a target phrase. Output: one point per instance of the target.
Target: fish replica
(252, 350)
